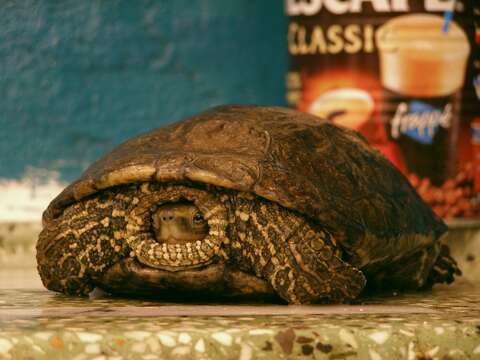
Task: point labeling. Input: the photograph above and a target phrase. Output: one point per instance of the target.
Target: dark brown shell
(303, 163)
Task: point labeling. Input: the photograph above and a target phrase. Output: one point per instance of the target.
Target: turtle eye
(198, 219)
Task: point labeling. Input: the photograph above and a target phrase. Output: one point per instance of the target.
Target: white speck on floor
(92, 348)
(5, 346)
(432, 352)
(379, 337)
(44, 335)
(200, 346)
(166, 340)
(87, 337)
(374, 355)
(223, 338)
(348, 338)
(246, 352)
(184, 338)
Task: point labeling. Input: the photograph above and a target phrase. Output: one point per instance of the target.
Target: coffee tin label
(406, 75)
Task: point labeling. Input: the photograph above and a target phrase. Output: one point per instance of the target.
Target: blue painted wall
(79, 77)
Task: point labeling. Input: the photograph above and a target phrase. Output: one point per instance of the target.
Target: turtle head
(179, 223)
(177, 228)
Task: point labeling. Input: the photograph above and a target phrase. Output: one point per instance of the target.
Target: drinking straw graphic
(448, 18)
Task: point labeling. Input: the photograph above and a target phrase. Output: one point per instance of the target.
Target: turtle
(243, 201)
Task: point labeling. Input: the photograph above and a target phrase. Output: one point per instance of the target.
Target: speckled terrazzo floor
(443, 324)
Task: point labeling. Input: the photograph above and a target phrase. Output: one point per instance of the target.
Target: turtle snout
(168, 218)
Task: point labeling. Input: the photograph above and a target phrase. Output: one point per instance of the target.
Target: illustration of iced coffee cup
(422, 70)
(348, 107)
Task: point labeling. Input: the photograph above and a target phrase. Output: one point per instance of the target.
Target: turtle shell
(325, 172)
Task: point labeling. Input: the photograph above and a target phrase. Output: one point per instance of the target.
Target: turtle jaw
(179, 257)
(183, 255)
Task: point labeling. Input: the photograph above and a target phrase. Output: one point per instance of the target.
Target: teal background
(79, 77)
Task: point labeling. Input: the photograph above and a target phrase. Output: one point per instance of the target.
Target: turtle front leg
(82, 243)
(300, 260)
(59, 263)
(314, 271)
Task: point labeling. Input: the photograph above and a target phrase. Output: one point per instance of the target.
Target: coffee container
(403, 73)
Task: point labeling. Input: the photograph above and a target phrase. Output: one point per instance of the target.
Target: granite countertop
(442, 324)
